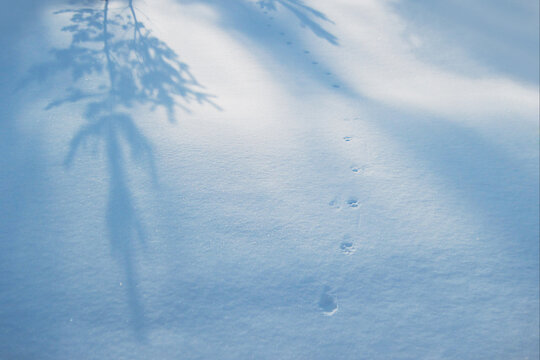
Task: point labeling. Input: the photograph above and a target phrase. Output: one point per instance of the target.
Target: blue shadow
(139, 69)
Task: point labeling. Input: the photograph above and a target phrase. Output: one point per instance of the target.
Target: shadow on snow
(272, 38)
(138, 69)
(307, 16)
(132, 67)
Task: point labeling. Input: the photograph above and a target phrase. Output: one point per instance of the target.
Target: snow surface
(275, 179)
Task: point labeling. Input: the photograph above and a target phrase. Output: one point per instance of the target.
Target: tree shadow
(307, 15)
(258, 23)
(500, 187)
(243, 16)
(132, 67)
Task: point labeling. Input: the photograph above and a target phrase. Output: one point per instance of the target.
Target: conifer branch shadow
(131, 67)
(244, 17)
(307, 16)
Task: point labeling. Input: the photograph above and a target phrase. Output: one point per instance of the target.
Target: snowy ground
(277, 179)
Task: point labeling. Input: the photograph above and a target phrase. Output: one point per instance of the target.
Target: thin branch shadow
(242, 15)
(307, 15)
(253, 20)
(132, 68)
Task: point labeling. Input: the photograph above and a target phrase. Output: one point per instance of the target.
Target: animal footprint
(327, 302)
(347, 138)
(334, 203)
(358, 169)
(347, 246)
(352, 202)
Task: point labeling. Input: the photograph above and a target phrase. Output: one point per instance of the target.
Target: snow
(280, 179)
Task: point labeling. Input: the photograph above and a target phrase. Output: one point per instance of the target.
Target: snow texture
(274, 179)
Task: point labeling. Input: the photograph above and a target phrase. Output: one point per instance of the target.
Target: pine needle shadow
(129, 67)
(308, 16)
